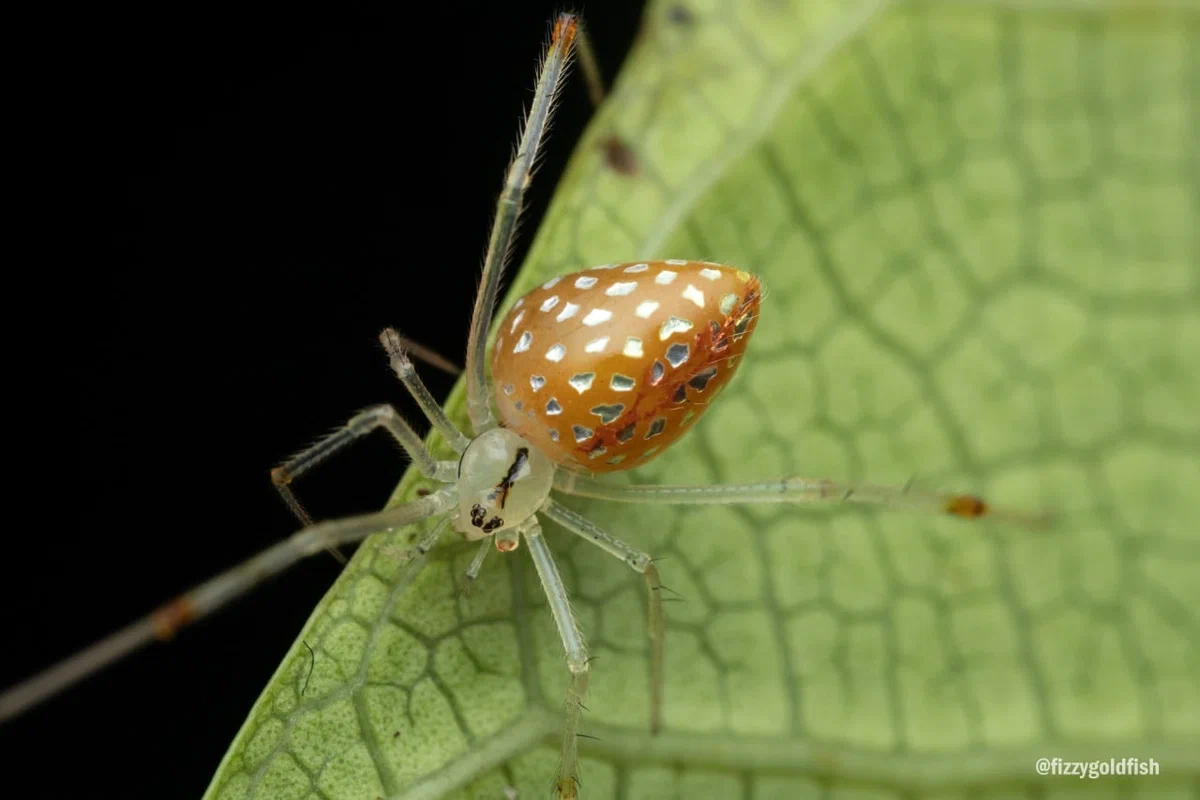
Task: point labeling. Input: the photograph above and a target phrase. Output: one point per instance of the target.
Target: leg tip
(566, 25)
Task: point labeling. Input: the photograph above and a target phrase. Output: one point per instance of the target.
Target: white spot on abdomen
(646, 308)
(582, 382)
(695, 295)
(621, 289)
(671, 326)
(597, 316)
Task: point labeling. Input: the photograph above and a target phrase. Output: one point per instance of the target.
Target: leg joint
(280, 476)
(372, 418)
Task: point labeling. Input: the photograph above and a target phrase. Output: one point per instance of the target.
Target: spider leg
(508, 210)
(215, 593)
(577, 655)
(427, 354)
(393, 342)
(359, 426)
(589, 66)
(476, 565)
(802, 491)
(641, 563)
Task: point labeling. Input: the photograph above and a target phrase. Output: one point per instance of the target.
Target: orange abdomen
(603, 369)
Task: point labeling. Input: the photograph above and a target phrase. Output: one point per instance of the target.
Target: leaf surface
(977, 223)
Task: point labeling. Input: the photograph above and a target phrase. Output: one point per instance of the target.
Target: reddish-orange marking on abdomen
(660, 398)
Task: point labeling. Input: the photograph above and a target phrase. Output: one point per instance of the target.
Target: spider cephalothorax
(502, 480)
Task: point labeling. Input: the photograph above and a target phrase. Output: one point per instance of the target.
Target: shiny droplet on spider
(604, 368)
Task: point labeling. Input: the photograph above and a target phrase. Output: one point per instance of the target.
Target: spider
(594, 372)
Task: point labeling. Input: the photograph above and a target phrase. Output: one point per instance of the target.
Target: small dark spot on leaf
(679, 14)
(620, 156)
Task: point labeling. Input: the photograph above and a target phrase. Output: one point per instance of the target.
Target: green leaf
(978, 225)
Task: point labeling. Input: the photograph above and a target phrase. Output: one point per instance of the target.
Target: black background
(235, 204)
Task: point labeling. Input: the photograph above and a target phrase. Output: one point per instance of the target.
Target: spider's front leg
(577, 655)
(360, 425)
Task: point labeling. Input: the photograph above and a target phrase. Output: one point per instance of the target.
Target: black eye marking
(477, 515)
(519, 469)
(492, 524)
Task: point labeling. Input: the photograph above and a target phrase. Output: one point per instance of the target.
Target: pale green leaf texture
(979, 225)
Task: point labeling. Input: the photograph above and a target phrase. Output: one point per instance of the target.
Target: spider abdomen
(604, 368)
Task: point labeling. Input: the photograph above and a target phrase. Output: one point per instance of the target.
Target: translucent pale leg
(476, 564)
(656, 624)
(577, 657)
(508, 210)
(426, 354)
(360, 425)
(430, 538)
(216, 592)
(393, 343)
(794, 490)
(589, 66)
